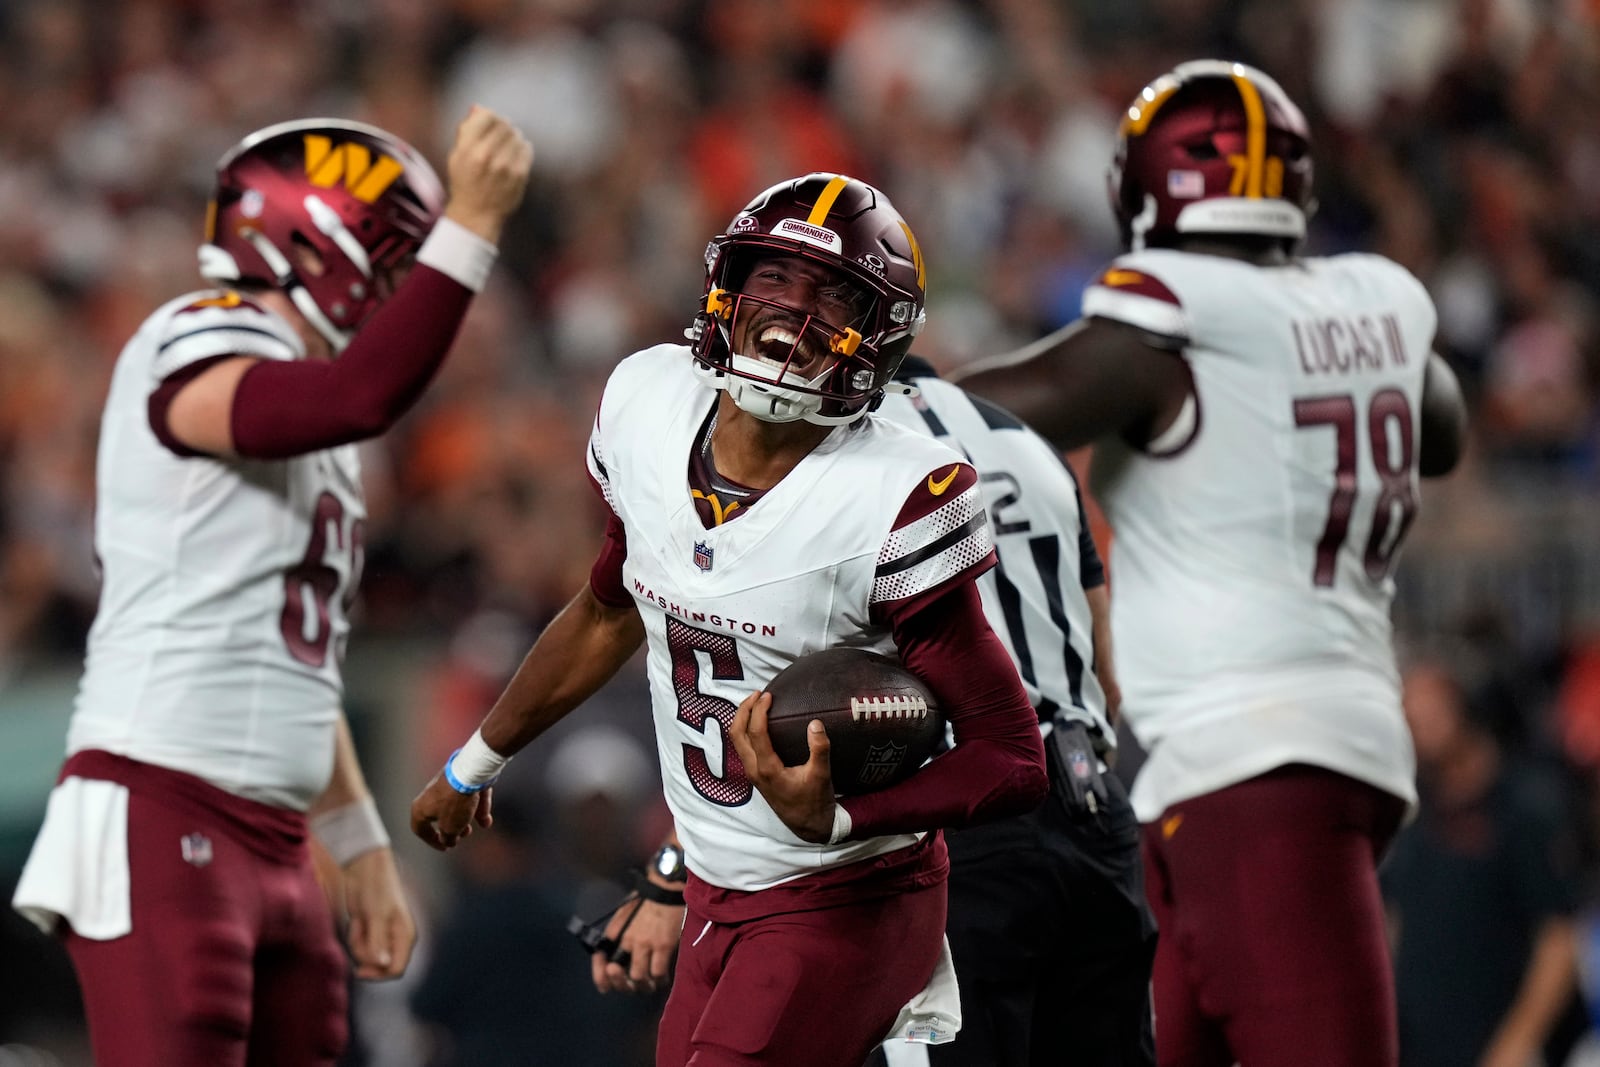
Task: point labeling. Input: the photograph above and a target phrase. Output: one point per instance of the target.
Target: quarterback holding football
(760, 512)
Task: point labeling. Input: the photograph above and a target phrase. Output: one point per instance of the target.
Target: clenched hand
(801, 796)
(381, 932)
(488, 167)
(442, 817)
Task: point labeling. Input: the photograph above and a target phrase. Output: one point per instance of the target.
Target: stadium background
(1456, 136)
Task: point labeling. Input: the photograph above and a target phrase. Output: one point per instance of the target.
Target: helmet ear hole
(308, 262)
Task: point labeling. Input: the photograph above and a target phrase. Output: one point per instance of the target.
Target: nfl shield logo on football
(196, 849)
(702, 555)
(882, 762)
(1080, 764)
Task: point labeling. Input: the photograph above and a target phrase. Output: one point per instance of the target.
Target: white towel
(78, 869)
(933, 1016)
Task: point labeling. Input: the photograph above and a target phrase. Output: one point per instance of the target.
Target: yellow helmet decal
(1143, 110)
(1255, 132)
(916, 256)
(328, 164)
(824, 204)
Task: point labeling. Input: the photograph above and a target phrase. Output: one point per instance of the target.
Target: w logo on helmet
(328, 164)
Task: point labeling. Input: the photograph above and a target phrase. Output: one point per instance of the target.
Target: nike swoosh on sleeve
(937, 488)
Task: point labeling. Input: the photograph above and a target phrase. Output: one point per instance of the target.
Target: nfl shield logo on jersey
(702, 555)
(196, 849)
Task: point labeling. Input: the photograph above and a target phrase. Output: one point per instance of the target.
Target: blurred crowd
(1455, 136)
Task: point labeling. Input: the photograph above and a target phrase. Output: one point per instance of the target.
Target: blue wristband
(458, 785)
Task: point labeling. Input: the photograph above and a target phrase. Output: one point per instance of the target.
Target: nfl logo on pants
(702, 555)
(196, 849)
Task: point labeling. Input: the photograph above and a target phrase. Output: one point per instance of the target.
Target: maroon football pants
(805, 989)
(232, 960)
(1272, 947)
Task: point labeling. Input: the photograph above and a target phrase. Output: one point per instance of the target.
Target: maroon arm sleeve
(286, 409)
(605, 577)
(996, 768)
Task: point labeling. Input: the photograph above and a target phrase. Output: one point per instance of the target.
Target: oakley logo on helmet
(872, 263)
(744, 222)
(328, 164)
(820, 236)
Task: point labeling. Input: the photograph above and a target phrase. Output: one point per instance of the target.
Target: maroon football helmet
(1212, 147)
(850, 228)
(324, 210)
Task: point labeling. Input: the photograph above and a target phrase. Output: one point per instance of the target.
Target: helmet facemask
(788, 363)
(827, 362)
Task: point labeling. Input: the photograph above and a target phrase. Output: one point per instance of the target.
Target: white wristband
(474, 765)
(455, 250)
(842, 824)
(351, 830)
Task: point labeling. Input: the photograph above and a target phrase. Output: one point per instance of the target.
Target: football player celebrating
(1262, 420)
(760, 512)
(1049, 930)
(208, 731)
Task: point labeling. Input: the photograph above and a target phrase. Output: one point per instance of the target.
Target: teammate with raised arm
(1261, 420)
(760, 512)
(208, 731)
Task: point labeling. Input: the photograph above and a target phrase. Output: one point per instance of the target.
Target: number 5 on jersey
(730, 788)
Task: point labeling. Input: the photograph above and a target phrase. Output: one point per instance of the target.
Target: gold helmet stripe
(1143, 110)
(1256, 132)
(819, 214)
(916, 256)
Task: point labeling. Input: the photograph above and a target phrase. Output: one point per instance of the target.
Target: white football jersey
(1255, 541)
(1034, 597)
(222, 619)
(725, 609)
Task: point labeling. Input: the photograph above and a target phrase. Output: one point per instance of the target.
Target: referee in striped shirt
(1048, 925)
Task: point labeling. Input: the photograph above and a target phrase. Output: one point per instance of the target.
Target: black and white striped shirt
(1035, 598)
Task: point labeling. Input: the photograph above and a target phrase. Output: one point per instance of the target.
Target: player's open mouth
(777, 345)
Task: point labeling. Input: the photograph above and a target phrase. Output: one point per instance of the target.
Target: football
(881, 720)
